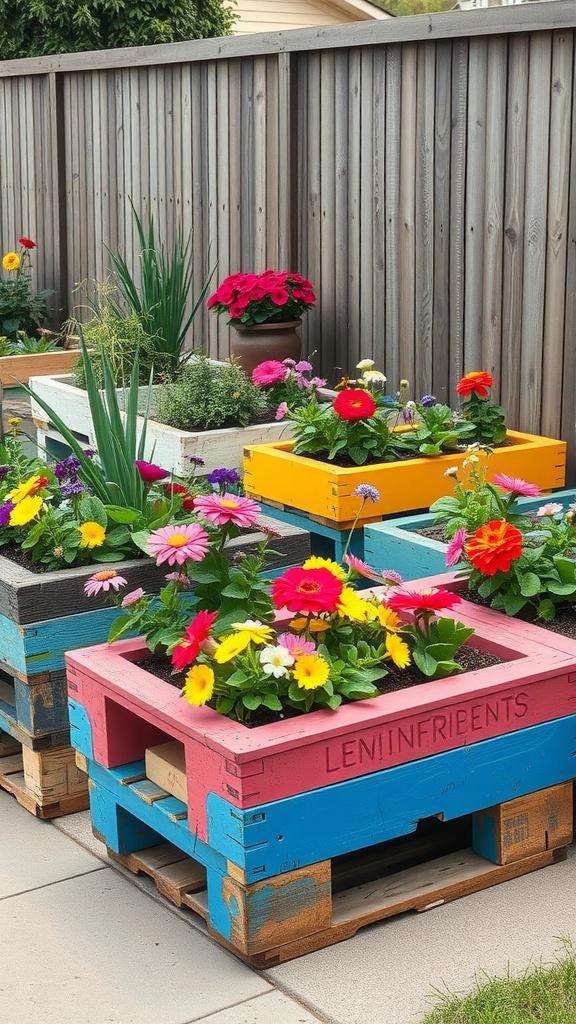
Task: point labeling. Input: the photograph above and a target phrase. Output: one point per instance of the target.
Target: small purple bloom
(89, 453)
(3, 471)
(366, 491)
(318, 382)
(67, 467)
(218, 477)
(391, 576)
(303, 366)
(5, 511)
(289, 362)
(428, 401)
(195, 460)
(71, 488)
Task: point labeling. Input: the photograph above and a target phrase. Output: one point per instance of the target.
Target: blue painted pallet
(395, 543)
(35, 712)
(287, 834)
(325, 541)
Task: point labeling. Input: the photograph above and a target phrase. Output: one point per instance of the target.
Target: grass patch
(543, 994)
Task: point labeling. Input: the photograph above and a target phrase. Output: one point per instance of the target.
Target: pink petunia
(102, 581)
(456, 546)
(515, 485)
(271, 371)
(222, 509)
(281, 411)
(176, 544)
(551, 509)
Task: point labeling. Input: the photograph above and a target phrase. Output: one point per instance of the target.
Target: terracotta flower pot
(252, 345)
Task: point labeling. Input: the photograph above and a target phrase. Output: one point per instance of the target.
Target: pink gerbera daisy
(175, 544)
(295, 645)
(515, 485)
(102, 581)
(361, 567)
(222, 509)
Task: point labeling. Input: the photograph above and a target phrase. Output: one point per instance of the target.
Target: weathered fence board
(418, 170)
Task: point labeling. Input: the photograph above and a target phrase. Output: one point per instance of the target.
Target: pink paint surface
(129, 709)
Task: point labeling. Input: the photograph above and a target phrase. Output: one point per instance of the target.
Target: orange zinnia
(494, 546)
(478, 381)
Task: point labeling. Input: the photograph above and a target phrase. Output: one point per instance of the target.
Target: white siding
(279, 15)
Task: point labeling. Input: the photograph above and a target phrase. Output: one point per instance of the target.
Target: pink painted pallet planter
(128, 710)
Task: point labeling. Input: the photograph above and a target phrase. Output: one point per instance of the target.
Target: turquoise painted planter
(395, 544)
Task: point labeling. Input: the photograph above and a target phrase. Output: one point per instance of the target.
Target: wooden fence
(421, 171)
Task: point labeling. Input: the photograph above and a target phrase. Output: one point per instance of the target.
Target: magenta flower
(456, 546)
(150, 473)
(271, 371)
(222, 509)
(295, 645)
(103, 581)
(175, 544)
(281, 411)
(132, 597)
(515, 485)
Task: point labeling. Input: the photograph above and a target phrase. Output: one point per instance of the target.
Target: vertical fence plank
(491, 340)
(407, 213)
(390, 142)
(475, 185)
(457, 211)
(437, 383)
(424, 221)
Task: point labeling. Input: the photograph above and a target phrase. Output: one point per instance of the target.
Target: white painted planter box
(166, 446)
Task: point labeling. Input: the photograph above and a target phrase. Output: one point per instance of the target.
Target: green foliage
(437, 430)
(435, 644)
(33, 28)
(25, 345)
(319, 430)
(161, 298)
(475, 501)
(21, 308)
(120, 339)
(407, 7)
(206, 396)
(488, 420)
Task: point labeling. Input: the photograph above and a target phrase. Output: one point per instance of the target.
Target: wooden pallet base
(46, 783)
(355, 895)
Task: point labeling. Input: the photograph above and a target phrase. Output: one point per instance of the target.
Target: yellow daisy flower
(231, 646)
(355, 608)
(398, 650)
(23, 490)
(388, 619)
(311, 671)
(258, 632)
(93, 535)
(11, 261)
(25, 510)
(316, 562)
(198, 685)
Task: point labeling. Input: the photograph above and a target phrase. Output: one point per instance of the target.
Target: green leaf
(118, 514)
(269, 700)
(529, 584)
(118, 627)
(93, 510)
(513, 603)
(251, 701)
(425, 662)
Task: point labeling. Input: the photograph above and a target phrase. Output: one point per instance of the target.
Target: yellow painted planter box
(16, 370)
(276, 476)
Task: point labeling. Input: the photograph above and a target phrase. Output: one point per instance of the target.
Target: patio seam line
(284, 989)
(250, 999)
(56, 881)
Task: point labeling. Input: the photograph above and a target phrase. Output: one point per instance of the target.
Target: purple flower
(195, 460)
(318, 382)
(5, 511)
(3, 471)
(427, 401)
(303, 367)
(67, 468)
(289, 362)
(71, 488)
(366, 491)
(220, 477)
(89, 453)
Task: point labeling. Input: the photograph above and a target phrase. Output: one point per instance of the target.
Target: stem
(349, 540)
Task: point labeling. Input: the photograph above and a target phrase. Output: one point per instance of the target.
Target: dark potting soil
(564, 623)
(23, 558)
(470, 658)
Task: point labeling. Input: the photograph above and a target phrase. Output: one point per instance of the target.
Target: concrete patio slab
(96, 950)
(273, 1008)
(34, 854)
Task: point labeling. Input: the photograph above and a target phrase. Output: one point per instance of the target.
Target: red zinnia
(188, 499)
(494, 546)
(27, 243)
(189, 647)
(354, 404)
(421, 601)
(307, 591)
(478, 381)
